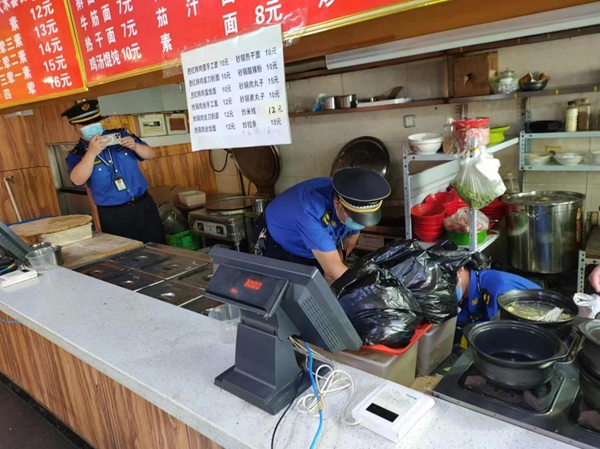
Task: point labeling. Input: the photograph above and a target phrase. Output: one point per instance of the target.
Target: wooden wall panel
(34, 193)
(54, 128)
(21, 145)
(103, 412)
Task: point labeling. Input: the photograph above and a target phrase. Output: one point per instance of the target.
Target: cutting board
(99, 247)
(31, 231)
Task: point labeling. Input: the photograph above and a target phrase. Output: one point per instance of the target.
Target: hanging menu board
(236, 92)
(120, 38)
(38, 58)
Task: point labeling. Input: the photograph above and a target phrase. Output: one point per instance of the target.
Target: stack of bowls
(494, 211)
(447, 199)
(427, 221)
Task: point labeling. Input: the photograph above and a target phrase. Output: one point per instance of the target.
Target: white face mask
(92, 130)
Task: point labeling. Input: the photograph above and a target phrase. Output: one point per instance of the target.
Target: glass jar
(583, 119)
(571, 119)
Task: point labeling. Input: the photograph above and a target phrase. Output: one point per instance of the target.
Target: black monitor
(278, 300)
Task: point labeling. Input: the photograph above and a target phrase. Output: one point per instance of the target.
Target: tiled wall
(316, 140)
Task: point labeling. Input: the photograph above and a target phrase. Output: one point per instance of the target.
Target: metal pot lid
(591, 331)
(234, 203)
(363, 152)
(545, 198)
(260, 165)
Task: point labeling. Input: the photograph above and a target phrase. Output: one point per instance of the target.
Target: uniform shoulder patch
(326, 218)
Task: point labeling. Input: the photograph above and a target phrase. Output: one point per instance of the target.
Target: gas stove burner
(537, 400)
(139, 258)
(171, 267)
(584, 415)
(172, 292)
(197, 278)
(102, 270)
(134, 280)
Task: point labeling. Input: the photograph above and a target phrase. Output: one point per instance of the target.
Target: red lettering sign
(38, 58)
(123, 37)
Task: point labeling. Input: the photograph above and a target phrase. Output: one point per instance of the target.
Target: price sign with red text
(120, 38)
(38, 56)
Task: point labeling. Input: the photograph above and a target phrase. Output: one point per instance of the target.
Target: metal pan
(364, 152)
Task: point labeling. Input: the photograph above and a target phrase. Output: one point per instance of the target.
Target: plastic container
(464, 238)
(571, 117)
(42, 260)
(585, 112)
(185, 240)
(192, 197)
(511, 183)
(227, 317)
(435, 346)
(397, 368)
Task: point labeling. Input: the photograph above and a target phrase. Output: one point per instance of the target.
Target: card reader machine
(278, 300)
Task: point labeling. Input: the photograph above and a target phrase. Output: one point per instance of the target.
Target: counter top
(170, 356)
(99, 247)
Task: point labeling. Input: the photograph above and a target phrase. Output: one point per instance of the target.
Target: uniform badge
(326, 218)
(85, 107)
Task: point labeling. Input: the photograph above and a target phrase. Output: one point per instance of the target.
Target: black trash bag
(451, 258)
(394, 252)
(381, 309)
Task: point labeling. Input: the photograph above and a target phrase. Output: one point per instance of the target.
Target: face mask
(352, 225)
(459, 292)
(90, 131)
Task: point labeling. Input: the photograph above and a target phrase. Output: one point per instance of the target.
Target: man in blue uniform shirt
(107, 162)
(478, 292)
(310, 221)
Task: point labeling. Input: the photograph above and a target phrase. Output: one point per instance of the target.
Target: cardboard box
(471, 74)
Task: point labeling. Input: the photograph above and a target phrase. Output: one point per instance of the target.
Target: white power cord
(333, 381)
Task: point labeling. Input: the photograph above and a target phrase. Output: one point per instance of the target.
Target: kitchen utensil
(42, 260)
(259, 205)
(533, 85)
(102, 270)
(172, 292)
(590, 350)
(139, 258)
(425, 143)
(545, 126)
(345, 101)
(514, 354)
(328, 103)
(364, 152)
(464, 238)
(590, 387)
(561, 328)
(544, 230)
(260, 165)
(227, 317)
(134, 280)
(505, 83)
(568, 158)
(535, 159)
(446, 199)
(497, 134)
(173, 266)
(56, 249)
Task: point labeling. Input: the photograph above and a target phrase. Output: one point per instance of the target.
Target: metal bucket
(544, 230)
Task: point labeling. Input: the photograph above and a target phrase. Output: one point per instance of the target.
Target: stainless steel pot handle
(527, 214)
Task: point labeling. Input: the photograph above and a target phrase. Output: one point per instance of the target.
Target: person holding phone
(107, 162)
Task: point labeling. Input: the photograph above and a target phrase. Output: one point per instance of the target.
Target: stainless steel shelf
(557, 167)
(575, 135)
(549, 91)
(451, 157)
(489, 239)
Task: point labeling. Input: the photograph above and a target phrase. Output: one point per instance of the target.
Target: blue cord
(316, 392)
(9, 322)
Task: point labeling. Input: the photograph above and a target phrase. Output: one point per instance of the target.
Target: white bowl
(425, 143)
(534, 159)
(568, 158)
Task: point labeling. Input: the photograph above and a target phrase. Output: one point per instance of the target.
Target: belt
(137, 199)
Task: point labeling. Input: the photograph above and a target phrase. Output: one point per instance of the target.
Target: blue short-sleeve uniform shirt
(102, 180)
(303, 218)
(482, 303)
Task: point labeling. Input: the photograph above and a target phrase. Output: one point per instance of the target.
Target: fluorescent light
(547, 22)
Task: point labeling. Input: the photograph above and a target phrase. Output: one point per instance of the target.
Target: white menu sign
(236, 92)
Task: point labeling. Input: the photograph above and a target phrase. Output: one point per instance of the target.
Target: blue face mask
(459, 293)
(90, 131)
(352, 225)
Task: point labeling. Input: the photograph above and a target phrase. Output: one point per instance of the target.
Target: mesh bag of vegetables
(478, 182)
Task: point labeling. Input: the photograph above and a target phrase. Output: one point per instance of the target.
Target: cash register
(278, 300)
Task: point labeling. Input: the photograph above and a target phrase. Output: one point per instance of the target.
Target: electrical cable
(316, 392)
(212, 165)
(287, 409)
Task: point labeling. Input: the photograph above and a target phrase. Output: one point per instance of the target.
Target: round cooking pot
(514, 354)
(590, 387)
(560, 328)
(589, 355)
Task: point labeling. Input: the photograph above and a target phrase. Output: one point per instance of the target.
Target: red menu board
(119, 38)
(38, 56)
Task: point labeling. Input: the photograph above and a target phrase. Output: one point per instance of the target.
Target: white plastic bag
(478, 182)
(589, 305)
(461, 221)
